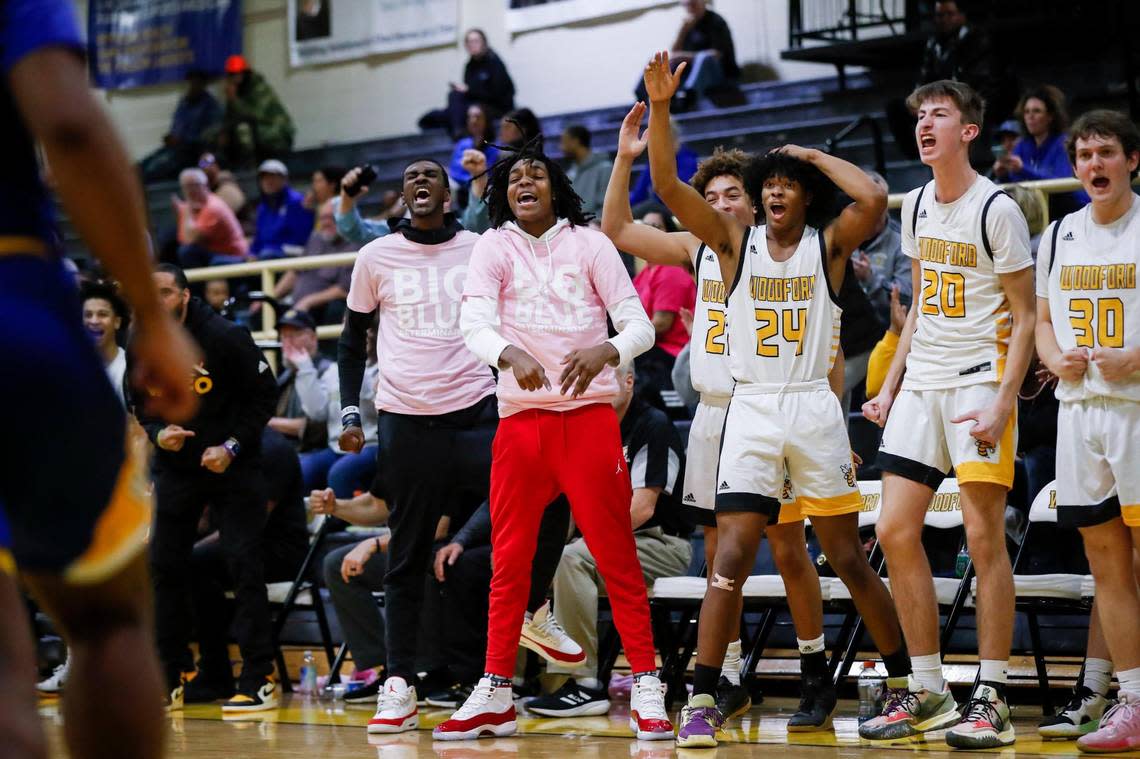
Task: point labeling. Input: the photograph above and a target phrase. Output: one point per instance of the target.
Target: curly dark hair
(822, 207)
(722, 163)
(567, 203)
(108, 291)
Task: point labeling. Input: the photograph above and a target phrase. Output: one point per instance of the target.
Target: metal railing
(267, 270)
(843, 20)
(837, 139)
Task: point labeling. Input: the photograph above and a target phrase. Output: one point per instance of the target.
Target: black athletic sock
(705, 680)
(813, 664)
(898, 663)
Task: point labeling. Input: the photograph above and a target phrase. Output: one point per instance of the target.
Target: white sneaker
(647, 716)
(489, 710)
(1079, 717)
(53, 684)
(396, 710)
(543, 635)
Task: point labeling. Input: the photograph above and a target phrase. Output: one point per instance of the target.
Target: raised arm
(641, 240)
(720, 231)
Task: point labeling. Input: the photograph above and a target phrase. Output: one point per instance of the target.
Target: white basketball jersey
(1088, 273)
(964, 320)
(708, 347)
(784, 322)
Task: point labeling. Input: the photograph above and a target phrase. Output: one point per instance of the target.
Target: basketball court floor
(318, 730)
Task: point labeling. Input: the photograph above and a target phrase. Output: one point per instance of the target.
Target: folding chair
(302, 594)
(1051, 594)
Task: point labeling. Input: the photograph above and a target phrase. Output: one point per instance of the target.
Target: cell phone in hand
(367, 177)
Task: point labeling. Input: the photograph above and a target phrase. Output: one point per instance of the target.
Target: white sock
(1129, 680)
(1098, 676)
(589, 682)
(731, 666)
(927, 671)
(993, 670)
(810, 646)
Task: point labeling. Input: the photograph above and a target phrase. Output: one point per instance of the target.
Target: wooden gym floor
(304, 728)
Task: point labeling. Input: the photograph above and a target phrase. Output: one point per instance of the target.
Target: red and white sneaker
(1119, 729)
(647, 716)
(543, 635)
(488, 711)
(396, 710)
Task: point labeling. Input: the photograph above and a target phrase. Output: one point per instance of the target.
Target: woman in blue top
(479, 132)
(1040, 154)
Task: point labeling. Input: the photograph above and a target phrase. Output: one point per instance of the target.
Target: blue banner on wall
(133, 43)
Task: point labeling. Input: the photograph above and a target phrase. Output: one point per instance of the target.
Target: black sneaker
(433, 682)
(571, 700)
(450, 698)
(253, 698)
(365, 694)
(732, 700)
(816, 706)
(200, 688)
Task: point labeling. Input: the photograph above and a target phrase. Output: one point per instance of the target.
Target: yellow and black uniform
(72, 501)
(958, 349)
(237, 392)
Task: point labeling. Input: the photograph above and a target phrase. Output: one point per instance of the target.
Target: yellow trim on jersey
(1130, 514)
(836, 505)
(1003, 331)
(998, 473)
(21, 245)
(7, 562)
(121, 531)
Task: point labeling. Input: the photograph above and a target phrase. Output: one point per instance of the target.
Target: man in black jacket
(214, 458)
(486, 81)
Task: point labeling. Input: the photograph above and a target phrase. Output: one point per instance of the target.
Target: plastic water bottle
(871, 689)
(961, 562)
(308, 685)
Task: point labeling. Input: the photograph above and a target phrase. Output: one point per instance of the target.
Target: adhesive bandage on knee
(724, 583)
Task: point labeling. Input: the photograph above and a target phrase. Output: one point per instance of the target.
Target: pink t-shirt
(425, 368)
(552, 300)
(221, 231)
(667, 288)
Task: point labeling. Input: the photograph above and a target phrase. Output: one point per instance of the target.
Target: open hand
(631, 140)
(446, 557)
(581, 366)
(660, 82)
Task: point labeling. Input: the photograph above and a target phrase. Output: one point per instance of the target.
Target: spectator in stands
(879, 263)
(325, 186)
(349, 222)
(1033, 205)
(298, 334)
(285, 540)
(588, 171)
(256, 125)
(208, 232)
(480, 131)
(704, 42)
(860, 330)
(352, 574)
(1040, 154)
(665, 291)
(320, 292)
(195, 117)
(884, 351)
(1007, 134)
(344, 473)
(516, 129)
(686, 167)
(105, 316)
(216, 293)
(216, 459)
(655, 459)
(223, 183)
(960, 51)
(282, 219)
(485, 81)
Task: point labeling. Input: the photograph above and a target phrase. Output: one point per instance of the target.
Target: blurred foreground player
(78, 540)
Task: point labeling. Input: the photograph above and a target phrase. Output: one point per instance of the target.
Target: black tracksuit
(237, 392)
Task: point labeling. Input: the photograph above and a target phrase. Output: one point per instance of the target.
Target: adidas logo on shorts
(922, 214)
(1068, 237)
(690, 498)
(723, 486)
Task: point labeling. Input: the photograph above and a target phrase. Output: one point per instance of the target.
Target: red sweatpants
(536, 456)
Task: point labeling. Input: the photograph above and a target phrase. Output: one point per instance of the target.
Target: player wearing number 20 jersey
(961, 337)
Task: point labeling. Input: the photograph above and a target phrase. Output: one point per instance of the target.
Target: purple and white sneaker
(700, 722)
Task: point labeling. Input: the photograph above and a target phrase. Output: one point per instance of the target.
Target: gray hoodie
(590, 179)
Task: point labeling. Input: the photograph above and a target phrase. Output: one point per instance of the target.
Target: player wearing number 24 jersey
(783, 332)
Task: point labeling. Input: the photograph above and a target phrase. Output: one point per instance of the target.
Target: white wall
(570, 68)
